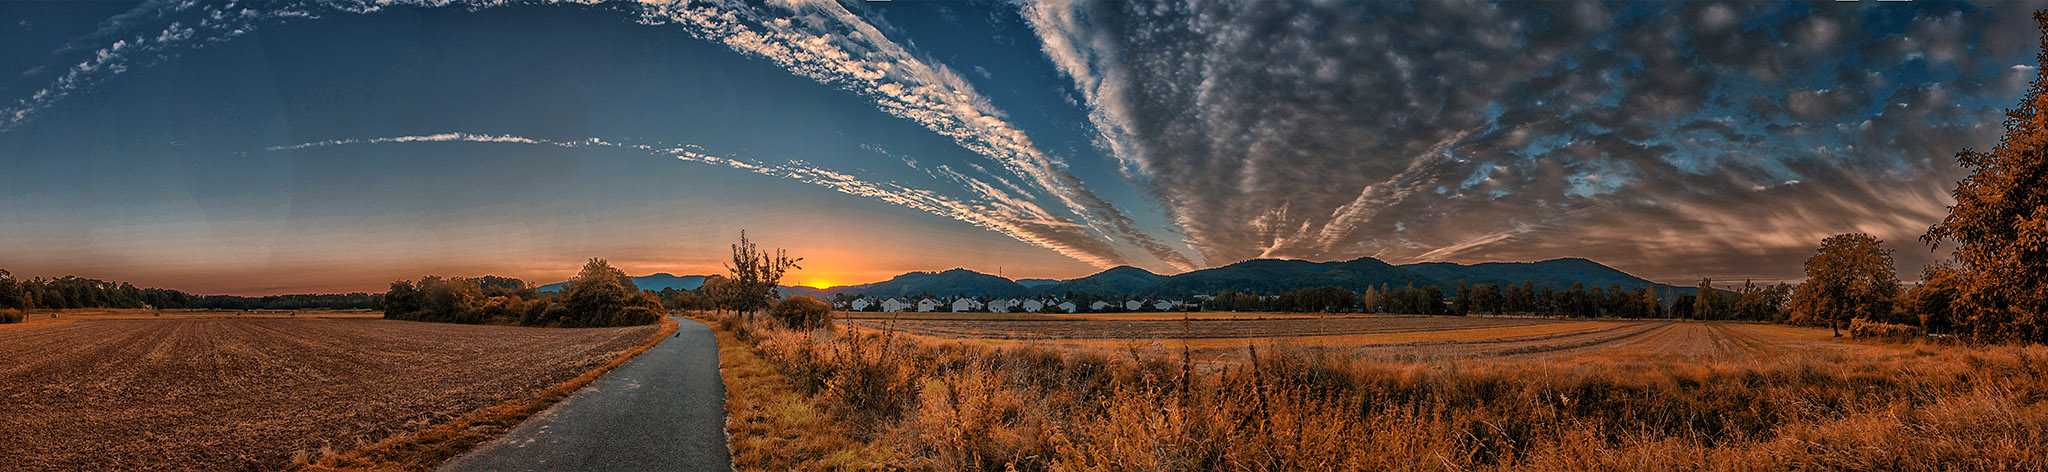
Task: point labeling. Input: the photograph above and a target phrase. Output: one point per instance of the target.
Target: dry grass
(234, 394)
(961, 406)
(773, 427)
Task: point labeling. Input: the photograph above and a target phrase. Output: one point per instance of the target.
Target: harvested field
(1086, 329)
(194, 393)
(1397, 337)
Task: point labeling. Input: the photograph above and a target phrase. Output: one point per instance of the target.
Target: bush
(1863, 328)
(803, 312)
(12, 316)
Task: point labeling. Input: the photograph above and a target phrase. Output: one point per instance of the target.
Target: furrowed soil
(257, 393)
(1395, 337)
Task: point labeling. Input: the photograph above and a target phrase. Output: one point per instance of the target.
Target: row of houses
(1005, 305)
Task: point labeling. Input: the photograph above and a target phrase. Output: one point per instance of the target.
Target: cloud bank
(1678, 139)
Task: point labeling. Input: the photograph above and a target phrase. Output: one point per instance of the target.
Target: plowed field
(1400, 337)
(253, 394)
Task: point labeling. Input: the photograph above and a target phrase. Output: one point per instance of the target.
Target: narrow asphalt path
(663, 410)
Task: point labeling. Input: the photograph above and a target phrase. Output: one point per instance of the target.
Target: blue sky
(275, 147)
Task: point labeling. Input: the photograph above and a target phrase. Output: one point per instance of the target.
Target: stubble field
(231, 392)
(1378, 337)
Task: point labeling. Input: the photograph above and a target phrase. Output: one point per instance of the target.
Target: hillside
(647, 282)
(1558, 274)
(948, 283)
(1116, 281)
(1274, 275)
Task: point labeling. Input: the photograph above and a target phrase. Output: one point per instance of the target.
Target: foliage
(599, 295)
(1999, 224)
(1862, 328)
(71, 292)
(1849, 277)
(755, 275)
(803, 312)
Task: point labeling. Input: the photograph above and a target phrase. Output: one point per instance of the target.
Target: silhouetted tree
(755, 275)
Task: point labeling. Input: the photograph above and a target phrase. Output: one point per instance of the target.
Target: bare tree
(755, 274)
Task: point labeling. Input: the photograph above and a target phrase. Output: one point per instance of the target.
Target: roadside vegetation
(941, 405)
(599, 295)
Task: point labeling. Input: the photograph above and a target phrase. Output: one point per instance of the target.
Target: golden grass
(774, 427)
(941, 405)
(428, 448)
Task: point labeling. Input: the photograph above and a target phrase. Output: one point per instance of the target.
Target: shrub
(12, 316)
(803, 312)
(1863, 328)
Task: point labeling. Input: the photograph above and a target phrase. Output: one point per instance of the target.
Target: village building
(859, 304)
(1032, 306)
(927, 305)
(966, 304)
(895, 305)
(1099, 306)
(1067, 307)
(1133, 305)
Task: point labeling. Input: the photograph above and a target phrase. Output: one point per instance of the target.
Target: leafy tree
(600, 295)
(803, 312)
(755, 275)
(1932, 302)
(1851, 276)
(1708, 304)
(1462, 303)
(1325, 299)
(1999, 224)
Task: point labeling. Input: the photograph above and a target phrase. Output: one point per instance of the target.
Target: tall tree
(1850, 277)
(1708, 305)
(1999, 223)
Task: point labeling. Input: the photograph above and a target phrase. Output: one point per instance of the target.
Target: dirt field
(234, 392)
(1390, 337)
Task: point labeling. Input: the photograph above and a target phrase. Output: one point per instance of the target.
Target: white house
(1067, 307)
(1098, 306)
(1133, 305)
(927, 304)
(1162, 305)
(1001, 305)
(1032, 306)
(895, 305)
(859, 304)
(966, 304)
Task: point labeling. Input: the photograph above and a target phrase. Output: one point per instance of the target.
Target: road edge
(429, 447)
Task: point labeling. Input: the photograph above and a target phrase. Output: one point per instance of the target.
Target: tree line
(599, 295)
(73, 292)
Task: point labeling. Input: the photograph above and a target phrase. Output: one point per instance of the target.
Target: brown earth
(1191, 329)
(1399, 337)
(187, 393)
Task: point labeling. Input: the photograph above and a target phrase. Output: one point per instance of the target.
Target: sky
(293, 147)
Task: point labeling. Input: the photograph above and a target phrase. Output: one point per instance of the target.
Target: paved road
(663, 410)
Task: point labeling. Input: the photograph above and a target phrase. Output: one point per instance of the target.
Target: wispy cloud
(818, 40)
(1011, 217)
(1669, 136)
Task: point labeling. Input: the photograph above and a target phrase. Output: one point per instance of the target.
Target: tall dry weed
(955, 406)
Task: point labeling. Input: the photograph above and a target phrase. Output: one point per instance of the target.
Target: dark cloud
(1695, 138)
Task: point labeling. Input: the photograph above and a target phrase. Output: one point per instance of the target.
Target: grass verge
(773, 426)
(427, 448)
